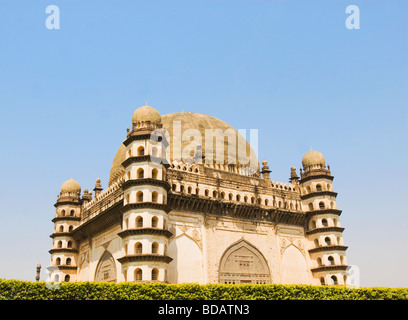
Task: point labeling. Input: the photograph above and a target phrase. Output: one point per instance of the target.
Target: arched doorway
(243, 263)
(106, 269)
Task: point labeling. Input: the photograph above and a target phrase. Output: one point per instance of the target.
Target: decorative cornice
(318, 194)
(328, 248)
(325, 229)
(135, 136)
(330, 268)
(145, 158)
(146, 181)
(61, 267)
(148, 231)
(68, 218)
(60, 234)
(148, 205)
(145, 257)
(110, 217)
(316, 177)
(217, 207)
(323, 211)
(68, 202)
(60, 250)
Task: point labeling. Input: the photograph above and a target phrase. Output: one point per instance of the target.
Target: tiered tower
(145, 213)
(64, 253)
(323, 230)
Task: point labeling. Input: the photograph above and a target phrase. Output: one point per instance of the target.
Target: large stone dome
(200, 122)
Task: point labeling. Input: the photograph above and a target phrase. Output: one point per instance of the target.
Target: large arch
(294, 270)
(106, 269)
(243, 263)
(187, 263)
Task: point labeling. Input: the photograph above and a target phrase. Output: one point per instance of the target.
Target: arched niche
(243, 263)
(106, 269)
(294, 269)
(187, 263)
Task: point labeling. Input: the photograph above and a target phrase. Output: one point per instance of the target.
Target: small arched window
(138, 274)
(319, 262)
(313, 224)
(68, 261)
(61, 229)
(182, 188)
(214, 194)
(69, 244)
(238, 197)
(189, 190)
(155, 222)
(207, 192)
(140, 173)
(308, 189)
(63, 212)
(173, 187)
(155, 196)
(252, 200)
(155, 247)
(138, 248)
(316, 242)
(59, 244)
(266, 202)
(222, 195)
(154, 152)
(155, 274)
(125, 275)
(140, 151)
(197, 191)
(331, 261)
(324, 223)
(321, 205)
(327, 241)
(70, 228)
(155, 173)
(318, 188)
(139, 196)
(58, 261)
(322, 282)
(127, 199)
(311, 207)
(72, 212)
(139, 222)
(128, 175)
(56, 279)
(245, 199)
(334, 281)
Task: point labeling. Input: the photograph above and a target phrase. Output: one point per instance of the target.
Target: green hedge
(27, 290)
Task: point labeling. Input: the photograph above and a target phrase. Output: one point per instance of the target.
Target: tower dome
(70, 186)
(313, 160)
(145, 116)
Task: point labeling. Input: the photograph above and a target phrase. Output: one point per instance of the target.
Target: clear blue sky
(290, 69)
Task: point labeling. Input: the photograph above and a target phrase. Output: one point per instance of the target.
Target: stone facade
(166, 219)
